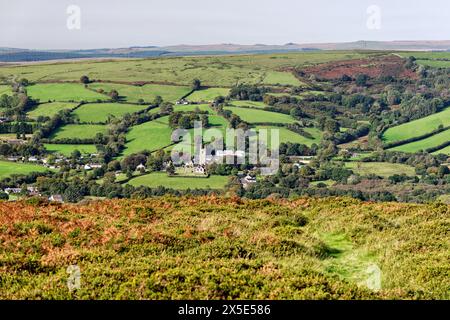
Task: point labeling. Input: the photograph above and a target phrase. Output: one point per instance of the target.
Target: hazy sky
(42, 24)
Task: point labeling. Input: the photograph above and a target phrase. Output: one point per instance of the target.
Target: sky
(43, 24)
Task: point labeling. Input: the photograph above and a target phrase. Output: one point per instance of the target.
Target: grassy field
(147, 92)
(207, 94)
(260, 116)
(9, 168)
(67, 149)
(151, 136)
(219, 248)
(157, 179)
(382, 169)
(50, 109)
(247, 103)
(63, 92)
(193, 107)
(5, 89)
(418, 127)
(289, 136)
(223, 71)
(424, 144)
(81, 131)
(99, 112)
(281, 78)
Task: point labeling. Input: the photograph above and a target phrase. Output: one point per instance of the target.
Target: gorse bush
(223, 248)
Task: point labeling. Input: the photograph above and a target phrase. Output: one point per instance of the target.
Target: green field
(147, 92)
(260, 116)
(418, 127)
(383, 169)
(192, 107)
(63, 92)
(207, 95)
(50, 109)
(289, 136)
(80, 131)
(424, 144)
(9, 168)
(213, 71)
(281, 78)
(100, 112)
(67, 149)
(248, 103)
(5, 89)
(151, 136)
(157, 179)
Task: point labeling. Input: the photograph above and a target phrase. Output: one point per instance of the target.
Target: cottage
(199, 170)
(56, 198)
(12, 190)
(140, 167)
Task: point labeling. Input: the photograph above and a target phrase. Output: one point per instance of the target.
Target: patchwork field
(5, 89)
(50, 109)
(207, 94)
(63, 92)
(67, 149)
(289, 136)
(9, 168)
(248, 103)
(224, 71)
(100, 112)
(424, 144)
(148, 92)
(157, 179)
(80, 131)
(382, 169)
(151, 136)
(418, 127)
(192, 107)
(260, 116)
(281, 78)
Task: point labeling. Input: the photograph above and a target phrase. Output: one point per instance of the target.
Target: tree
(73, 193)
(170, 169)
(158, 100)
(24, 82)
(76, 154)
(361, 80)
(84, 79)
(166, 107)
(114, 95)
(196, 84)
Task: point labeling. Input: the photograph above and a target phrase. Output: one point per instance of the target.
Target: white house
(140, 167)
(199, 170)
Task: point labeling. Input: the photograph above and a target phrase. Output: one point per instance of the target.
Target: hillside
(26, 55)
(221, 248)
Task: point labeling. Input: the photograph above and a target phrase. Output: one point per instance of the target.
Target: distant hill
(24, 55)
